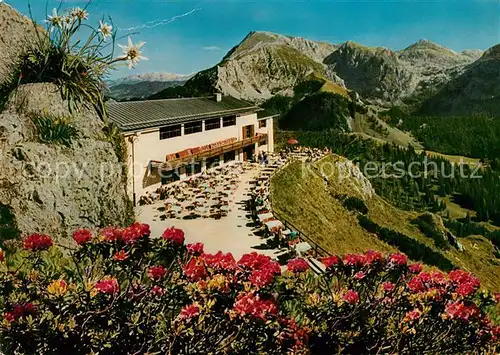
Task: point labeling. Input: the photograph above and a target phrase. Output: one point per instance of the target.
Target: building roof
(265, 114)
(139, 115)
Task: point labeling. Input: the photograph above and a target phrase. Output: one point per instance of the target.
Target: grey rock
(16, 32)
(51, 188)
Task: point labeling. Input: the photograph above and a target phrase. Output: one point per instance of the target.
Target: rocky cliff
(265, 64)
(476, 89)
(47, 187)
(16, 31)
(51, 188)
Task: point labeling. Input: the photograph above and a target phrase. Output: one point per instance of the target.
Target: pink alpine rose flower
(415, 268)
(351, 297)
(297, 265)
(174, 236)
(82, 236)
(157, 272)
(398, 259)
(195, 248)
(330, 261)
(108, 285)
(189, 311)
(37, 242)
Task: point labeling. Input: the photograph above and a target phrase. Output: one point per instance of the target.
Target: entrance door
(168, 176)
(248, 152)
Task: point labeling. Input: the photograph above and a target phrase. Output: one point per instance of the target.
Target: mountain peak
(492, 53)
(428, 45)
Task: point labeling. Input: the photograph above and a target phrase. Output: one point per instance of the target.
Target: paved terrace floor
(233, 233)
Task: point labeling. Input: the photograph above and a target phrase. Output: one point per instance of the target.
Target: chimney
(218, 97)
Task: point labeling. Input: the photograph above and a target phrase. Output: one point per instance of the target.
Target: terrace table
(302, 248)
(274, 224)
(264, 216)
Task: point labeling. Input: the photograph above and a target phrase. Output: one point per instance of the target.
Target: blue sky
(200, 39)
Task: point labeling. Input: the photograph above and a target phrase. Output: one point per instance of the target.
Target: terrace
(207, 151)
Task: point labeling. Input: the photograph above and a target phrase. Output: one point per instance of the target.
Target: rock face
(374, 73)
(265, 64)
(432, 225)
(53, 189)
(476, 89)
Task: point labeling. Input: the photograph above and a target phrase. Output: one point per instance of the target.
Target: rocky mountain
(475, 90)
(141, 86)
(265, 64)
(375, 73)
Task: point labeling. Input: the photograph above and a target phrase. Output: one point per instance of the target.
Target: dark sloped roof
(137, 115)
(265, 114)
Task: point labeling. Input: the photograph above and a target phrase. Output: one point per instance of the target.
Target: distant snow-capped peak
(131, 79)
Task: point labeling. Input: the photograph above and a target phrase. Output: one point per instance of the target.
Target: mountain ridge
(265, 64)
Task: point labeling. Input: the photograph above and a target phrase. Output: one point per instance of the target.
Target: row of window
(196, 127)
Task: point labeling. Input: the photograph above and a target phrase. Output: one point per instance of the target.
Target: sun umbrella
(201, 209)
(292, 141)
(175, 208)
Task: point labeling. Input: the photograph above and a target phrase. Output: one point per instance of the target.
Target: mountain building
(173, 139)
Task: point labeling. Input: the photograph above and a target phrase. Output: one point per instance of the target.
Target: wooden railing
(318, 249)
(210, 152)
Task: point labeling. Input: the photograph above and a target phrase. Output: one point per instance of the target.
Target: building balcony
(198, 154)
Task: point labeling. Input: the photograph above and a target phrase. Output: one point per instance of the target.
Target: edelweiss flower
(55, 20)
(68, 21)
(79, 13)
(132, 53)
(105, 29)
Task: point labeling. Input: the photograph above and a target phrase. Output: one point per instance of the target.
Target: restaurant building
(173, 139)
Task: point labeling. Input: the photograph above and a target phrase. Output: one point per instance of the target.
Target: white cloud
(159, 22)
(212, 48)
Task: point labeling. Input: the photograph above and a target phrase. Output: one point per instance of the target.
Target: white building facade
(173, 139)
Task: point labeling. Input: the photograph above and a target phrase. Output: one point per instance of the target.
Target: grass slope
(298, 195)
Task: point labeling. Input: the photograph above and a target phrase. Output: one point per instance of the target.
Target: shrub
(52, 129)
(318, 112)
(353, 203)
(8, 224)
(121, 291)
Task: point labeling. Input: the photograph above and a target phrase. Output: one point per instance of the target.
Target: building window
(170, 131)
(192, 127)
(229, 121)
(262, 142)
(213, 123)
(248, 131)
(262, 123)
